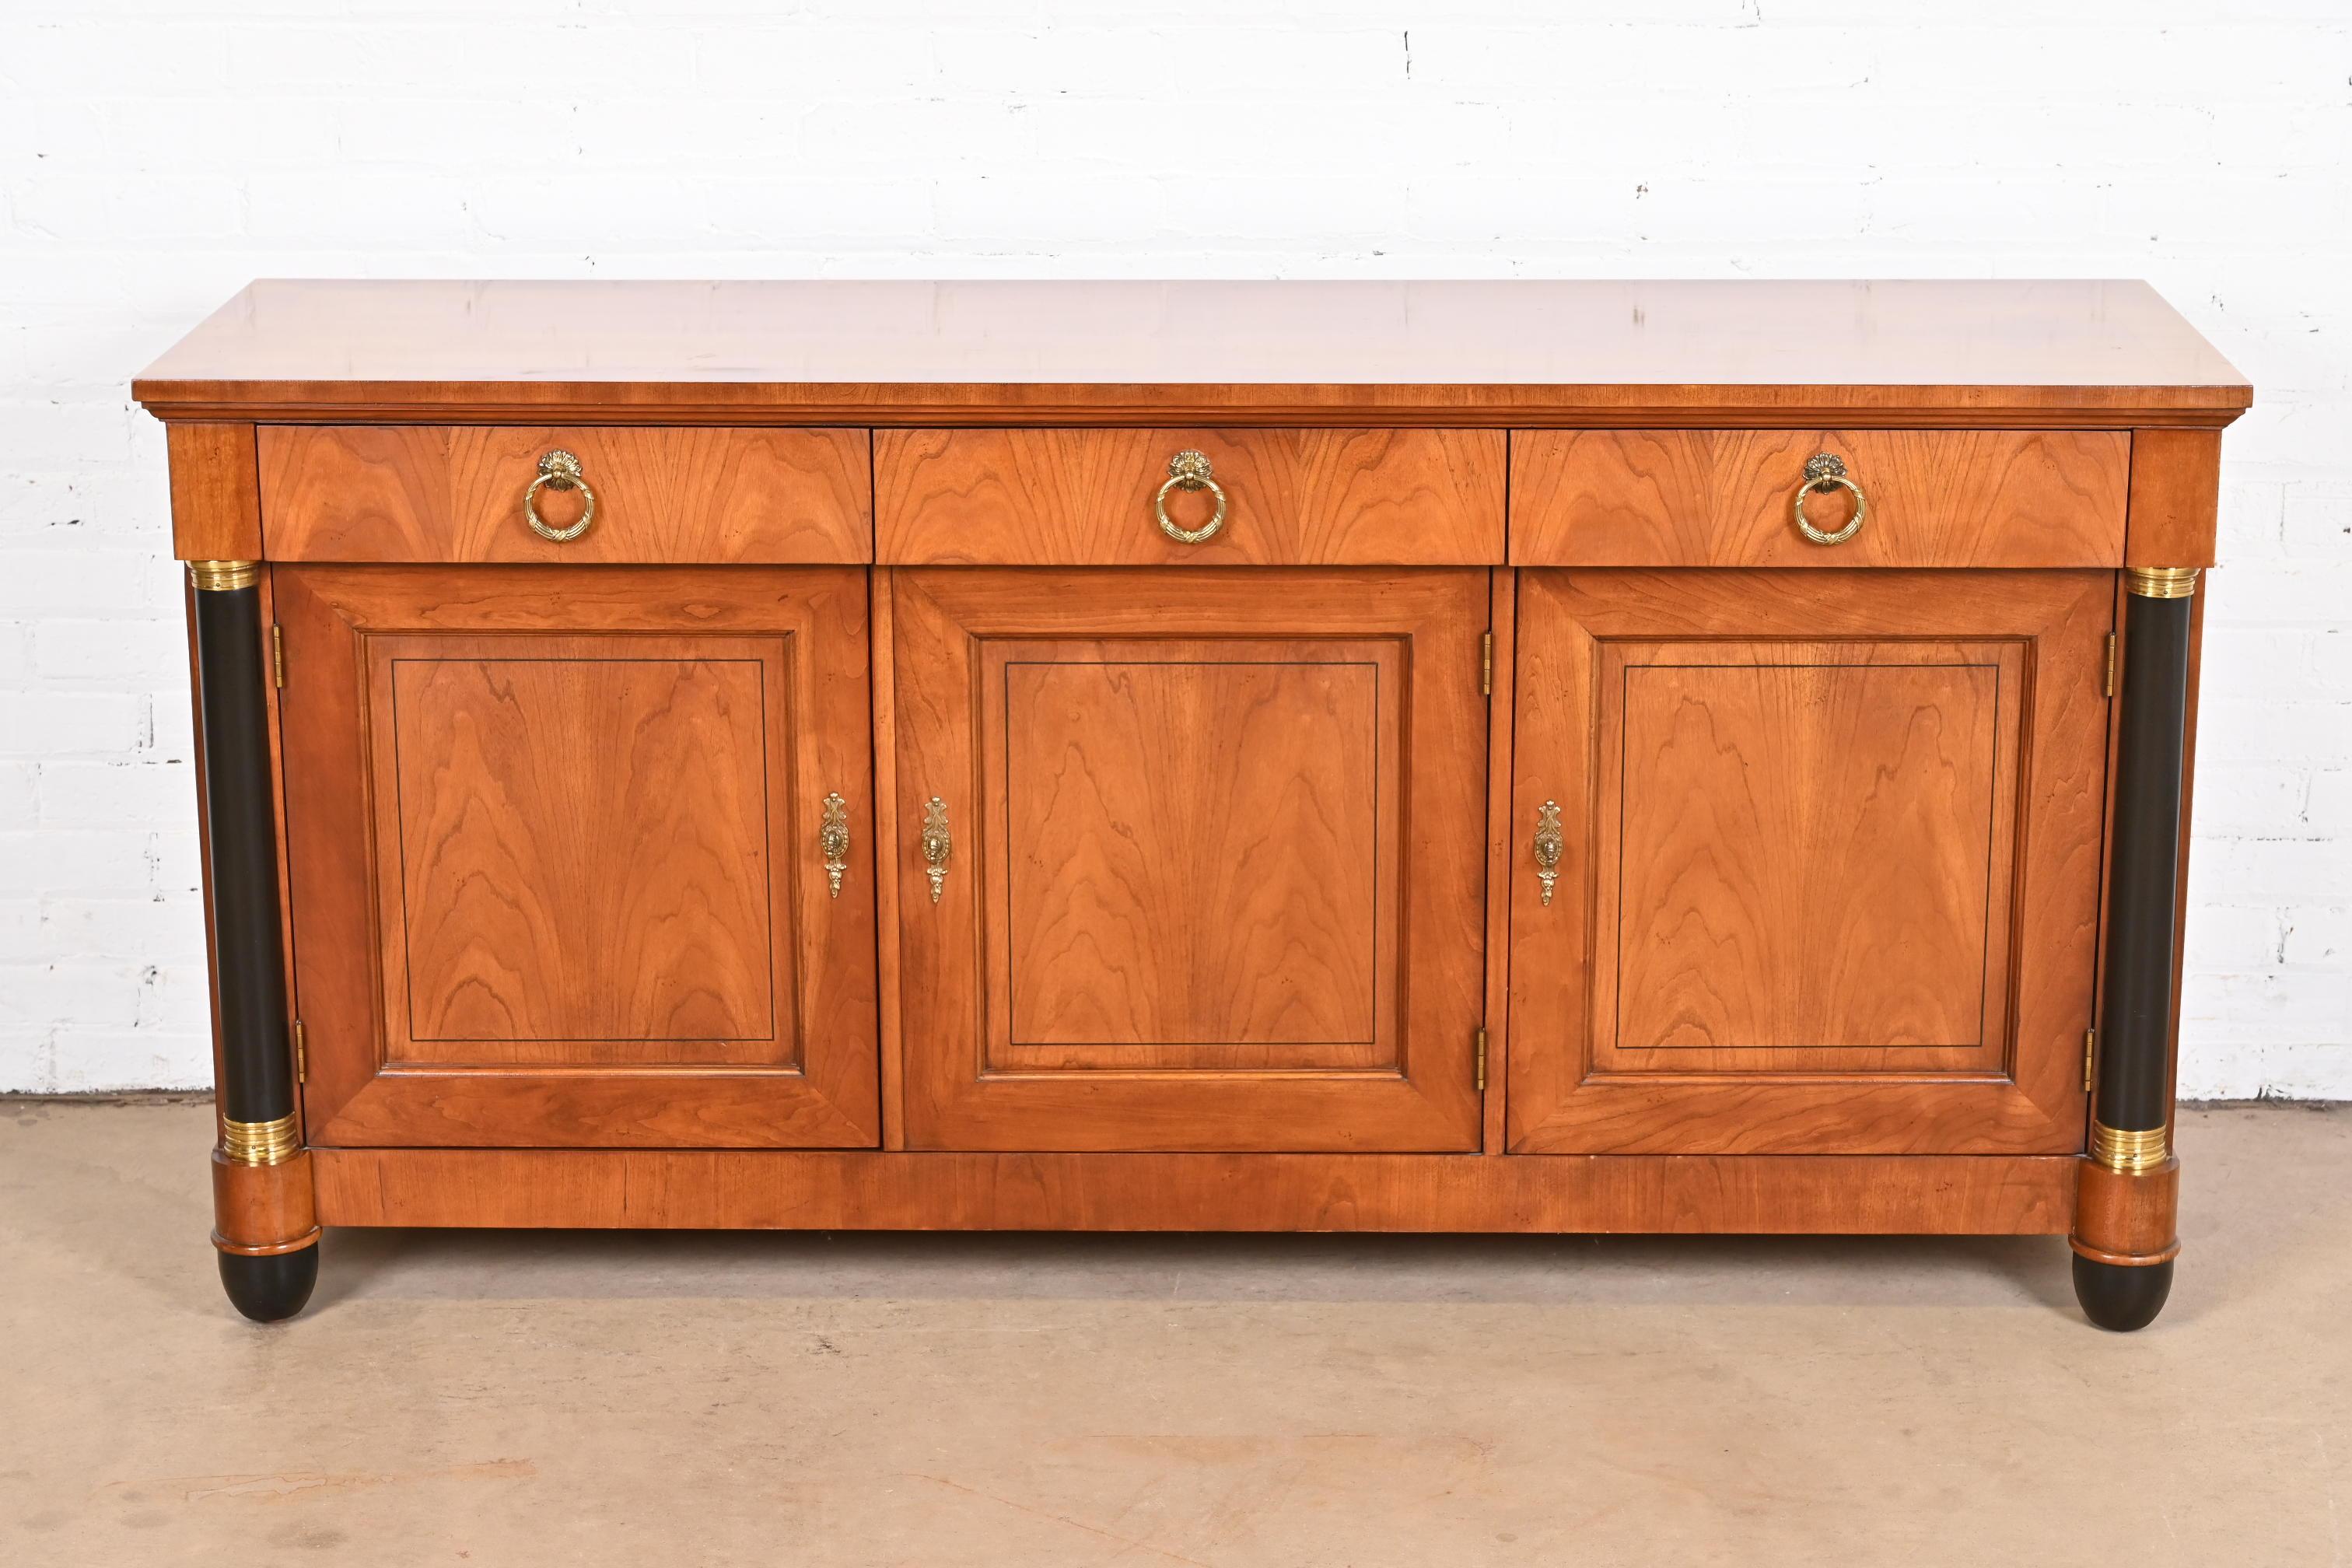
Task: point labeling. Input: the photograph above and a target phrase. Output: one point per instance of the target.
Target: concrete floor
(810, 1400)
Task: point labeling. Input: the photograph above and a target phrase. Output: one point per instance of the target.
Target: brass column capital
(214, 576)
(2161, 581)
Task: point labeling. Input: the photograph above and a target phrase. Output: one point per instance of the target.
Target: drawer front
(1727, 497)
(427, 493)
(1097, 498)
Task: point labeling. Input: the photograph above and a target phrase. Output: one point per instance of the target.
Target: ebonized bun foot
(267, 1290)
(2121, 1298)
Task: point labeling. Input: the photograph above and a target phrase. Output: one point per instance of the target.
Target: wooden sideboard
(1309, 756)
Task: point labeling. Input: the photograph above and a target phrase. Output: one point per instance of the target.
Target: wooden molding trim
(1469, 408)
(867, 1190)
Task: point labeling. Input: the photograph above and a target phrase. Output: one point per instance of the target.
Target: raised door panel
(1827, 872)
(1151, 922)
(556, 855)
(1216, 874)
(572, 841)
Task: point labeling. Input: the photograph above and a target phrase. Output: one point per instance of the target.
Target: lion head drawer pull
(1826, 471)
(1189, 470)
(936, 844)
(559, 470)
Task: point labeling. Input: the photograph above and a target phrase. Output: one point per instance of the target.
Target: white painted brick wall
(154, 156)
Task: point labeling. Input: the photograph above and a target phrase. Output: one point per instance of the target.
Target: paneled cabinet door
(1188, 859)
(558, 858)
(1805, 860)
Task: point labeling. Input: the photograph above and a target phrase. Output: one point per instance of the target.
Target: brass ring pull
(1826, 471)
(936, 844)
(1549, 844)
(559, 470)
(1189, 470)
(833, 840)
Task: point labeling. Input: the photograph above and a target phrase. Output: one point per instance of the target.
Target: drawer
(1726, 498)
(424, 492)
(1097, 498)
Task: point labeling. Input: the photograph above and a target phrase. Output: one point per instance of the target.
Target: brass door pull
(937, 844)
(559, 470)
(1189, 470)
(1826, 471)
(1549, 844)
(833, 840)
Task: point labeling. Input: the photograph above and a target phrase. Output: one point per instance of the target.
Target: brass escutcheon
(1549, 844)
(937, 844)
(833, 840)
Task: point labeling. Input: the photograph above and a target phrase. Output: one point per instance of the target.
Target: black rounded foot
(2120, 1298)
(269, 1288)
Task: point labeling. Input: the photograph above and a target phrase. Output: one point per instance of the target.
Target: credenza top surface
(1470, 351)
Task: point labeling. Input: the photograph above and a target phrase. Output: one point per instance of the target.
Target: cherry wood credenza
(1693, 757)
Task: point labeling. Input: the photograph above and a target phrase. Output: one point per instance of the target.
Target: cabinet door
(1829, 848)
(1216, 865)
(557, 857)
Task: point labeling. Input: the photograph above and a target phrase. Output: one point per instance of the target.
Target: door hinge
(1486, 665)
(2107, 681)
(1481, 1057)
(2089, 1056)
(302, 1055)
(278, 655)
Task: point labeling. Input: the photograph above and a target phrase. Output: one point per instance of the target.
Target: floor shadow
(1648, 1270)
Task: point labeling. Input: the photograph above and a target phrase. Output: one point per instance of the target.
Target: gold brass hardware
(1826, 471)
(278, 655)
(1549, 844)
(2129, 1154)
(936, 844)
(1482, 1060)
(1486, 665)
(559, 470)
(1189, 470)
(833, 840)
(2107, 681)
(259, 1142)
(218, 576)
(2161, 581)
(302, 1055)
(2089, 1056)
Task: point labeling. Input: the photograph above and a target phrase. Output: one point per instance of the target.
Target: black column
(2144, 870)
(2124, 1234)
(257, 1066)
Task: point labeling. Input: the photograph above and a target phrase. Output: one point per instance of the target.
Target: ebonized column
(265, 1226)
(2126, 1196)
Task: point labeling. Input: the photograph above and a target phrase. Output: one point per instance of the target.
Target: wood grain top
(1981, 352)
